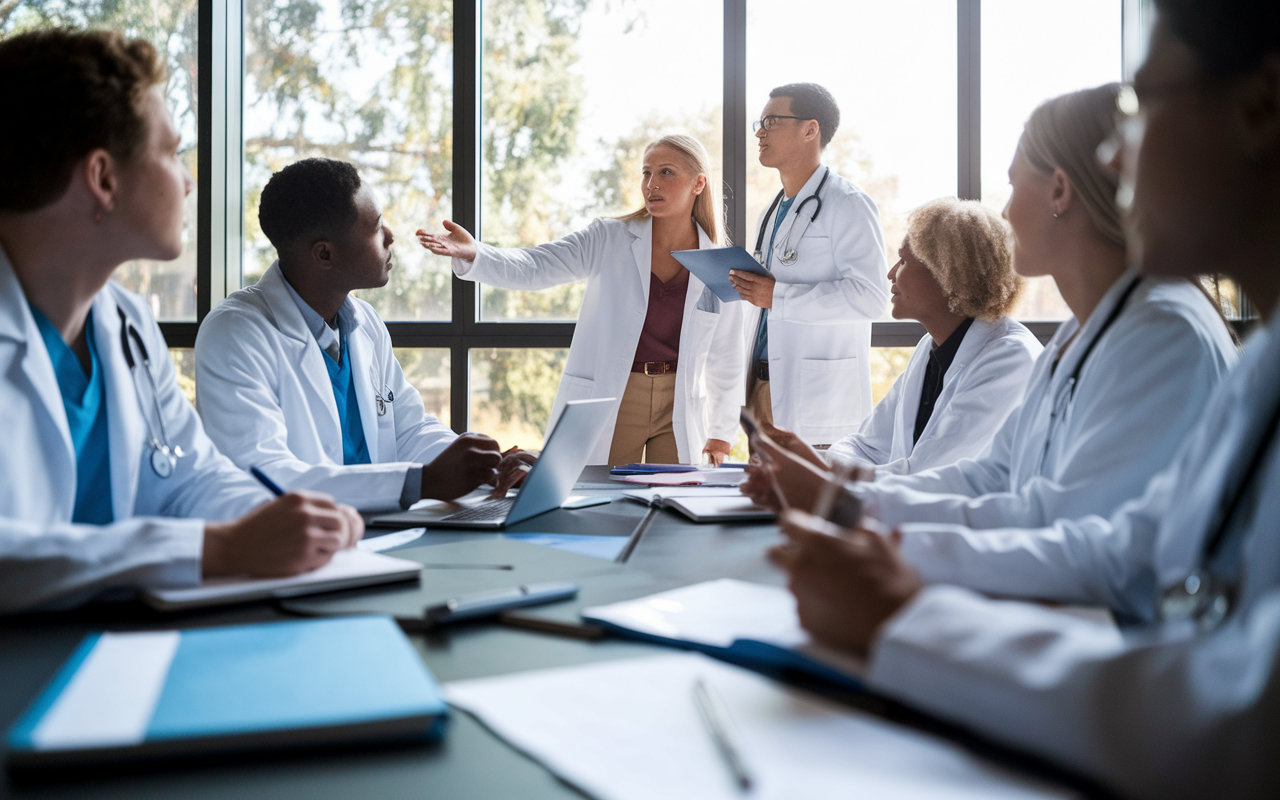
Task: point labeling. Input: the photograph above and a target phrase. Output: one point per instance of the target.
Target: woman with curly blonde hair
(955, 276)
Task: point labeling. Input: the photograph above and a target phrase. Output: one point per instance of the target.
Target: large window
(1034, 50)
(170, 25)
(892, 70)
(572, 92)
(365, 82)
(524, 119)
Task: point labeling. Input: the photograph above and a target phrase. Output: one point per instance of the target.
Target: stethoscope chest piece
(163, 462)
(789, 257)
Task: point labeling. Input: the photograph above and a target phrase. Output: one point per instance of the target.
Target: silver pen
(716, 718)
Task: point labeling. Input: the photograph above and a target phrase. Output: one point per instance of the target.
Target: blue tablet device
(712, 268)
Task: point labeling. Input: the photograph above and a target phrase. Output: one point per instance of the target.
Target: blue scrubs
(761, 350)
(85, 399)
(354, 448)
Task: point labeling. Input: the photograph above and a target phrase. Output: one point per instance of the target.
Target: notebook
(133, 696)
(704, 504)
(629, 729)
(749, 624)
(346, 570)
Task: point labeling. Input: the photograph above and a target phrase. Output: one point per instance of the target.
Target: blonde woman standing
(649, 332)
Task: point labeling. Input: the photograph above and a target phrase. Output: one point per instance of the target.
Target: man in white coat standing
(810, 343)
(1187, 705)
(298, 378)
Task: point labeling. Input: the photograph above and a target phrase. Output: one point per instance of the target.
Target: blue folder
(712, 268)
(221, 690)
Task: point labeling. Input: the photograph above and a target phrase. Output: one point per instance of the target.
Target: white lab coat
(1157, 711)
(265, 395)
(985, 382)
(615, 259)
(1143, 387)
(823, 305)
(158, 536)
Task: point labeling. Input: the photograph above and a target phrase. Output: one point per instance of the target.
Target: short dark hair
(1231, 37)
(312, 197)
(811, 101)
(65, 94)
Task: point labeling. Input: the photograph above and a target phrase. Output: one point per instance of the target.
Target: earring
(1055, 215)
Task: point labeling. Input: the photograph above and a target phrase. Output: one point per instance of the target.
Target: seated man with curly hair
(955, 276)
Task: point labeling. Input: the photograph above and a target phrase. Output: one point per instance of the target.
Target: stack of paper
(629, 730)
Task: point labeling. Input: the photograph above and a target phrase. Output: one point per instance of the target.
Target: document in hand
(129, 696)
(749, 624)
(630, 730)
(712, 268)
(348, 569)
(704, 505)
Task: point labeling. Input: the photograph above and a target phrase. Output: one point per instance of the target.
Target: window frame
(220, 158)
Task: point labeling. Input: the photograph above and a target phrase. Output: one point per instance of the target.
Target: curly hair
(74, 92)
(314, 197)
(968, 248)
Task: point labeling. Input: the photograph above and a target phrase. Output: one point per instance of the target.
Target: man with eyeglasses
(822, 243)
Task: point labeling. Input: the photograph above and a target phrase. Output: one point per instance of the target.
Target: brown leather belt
(652, 368)
(762, 370)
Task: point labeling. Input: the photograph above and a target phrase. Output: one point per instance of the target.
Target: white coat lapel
(784, 230)
(976, 338)
(18, 326)
(912, 388)
(304, 352)
(129, 401)
(642, 249)
(363, 374)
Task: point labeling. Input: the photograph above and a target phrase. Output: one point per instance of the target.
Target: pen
(717, 722)
(271, 485)
(490, 603)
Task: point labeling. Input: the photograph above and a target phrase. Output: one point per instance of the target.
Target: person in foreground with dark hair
(1187, 705)
(107, 479)
(809, 345)
(298, 378)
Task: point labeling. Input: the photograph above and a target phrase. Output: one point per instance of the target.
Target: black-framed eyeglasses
(769, 121)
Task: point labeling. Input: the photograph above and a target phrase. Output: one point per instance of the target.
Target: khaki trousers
(643, 432)
(760, 401)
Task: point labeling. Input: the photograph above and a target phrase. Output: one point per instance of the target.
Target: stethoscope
(164, 456)
(379, 402)
(789, 254)
(1209, 592)
(1067, 391)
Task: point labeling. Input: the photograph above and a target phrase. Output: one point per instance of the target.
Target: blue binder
(123, 697)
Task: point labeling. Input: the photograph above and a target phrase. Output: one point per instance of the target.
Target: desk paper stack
(746, 623)
(629, 730)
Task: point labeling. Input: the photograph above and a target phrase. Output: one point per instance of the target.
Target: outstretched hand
(456, 244)
(847, 583)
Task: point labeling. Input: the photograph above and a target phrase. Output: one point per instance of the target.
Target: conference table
(470, 762)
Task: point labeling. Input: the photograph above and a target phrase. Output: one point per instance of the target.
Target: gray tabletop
(470, 762)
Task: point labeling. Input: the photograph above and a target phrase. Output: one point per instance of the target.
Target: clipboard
(712, 268)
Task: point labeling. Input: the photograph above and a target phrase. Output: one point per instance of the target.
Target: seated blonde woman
(955, 276)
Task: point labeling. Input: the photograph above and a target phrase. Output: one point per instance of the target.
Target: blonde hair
(1065, 133)
(969, 250)
(707, 210)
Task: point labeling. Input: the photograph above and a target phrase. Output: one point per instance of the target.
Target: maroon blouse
(660, 338)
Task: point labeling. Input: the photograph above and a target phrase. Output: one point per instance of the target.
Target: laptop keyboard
(490, 510)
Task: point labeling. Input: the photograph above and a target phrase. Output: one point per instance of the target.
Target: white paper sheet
(377, 544)
(347, 569)
(111, 698)
(629, 730)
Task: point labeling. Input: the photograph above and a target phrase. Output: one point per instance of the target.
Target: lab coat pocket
(576, 388)
(814, 261)
(837, 379)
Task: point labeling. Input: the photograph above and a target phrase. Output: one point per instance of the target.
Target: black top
(940, 359)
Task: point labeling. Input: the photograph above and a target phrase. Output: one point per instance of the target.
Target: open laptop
(546, 486)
